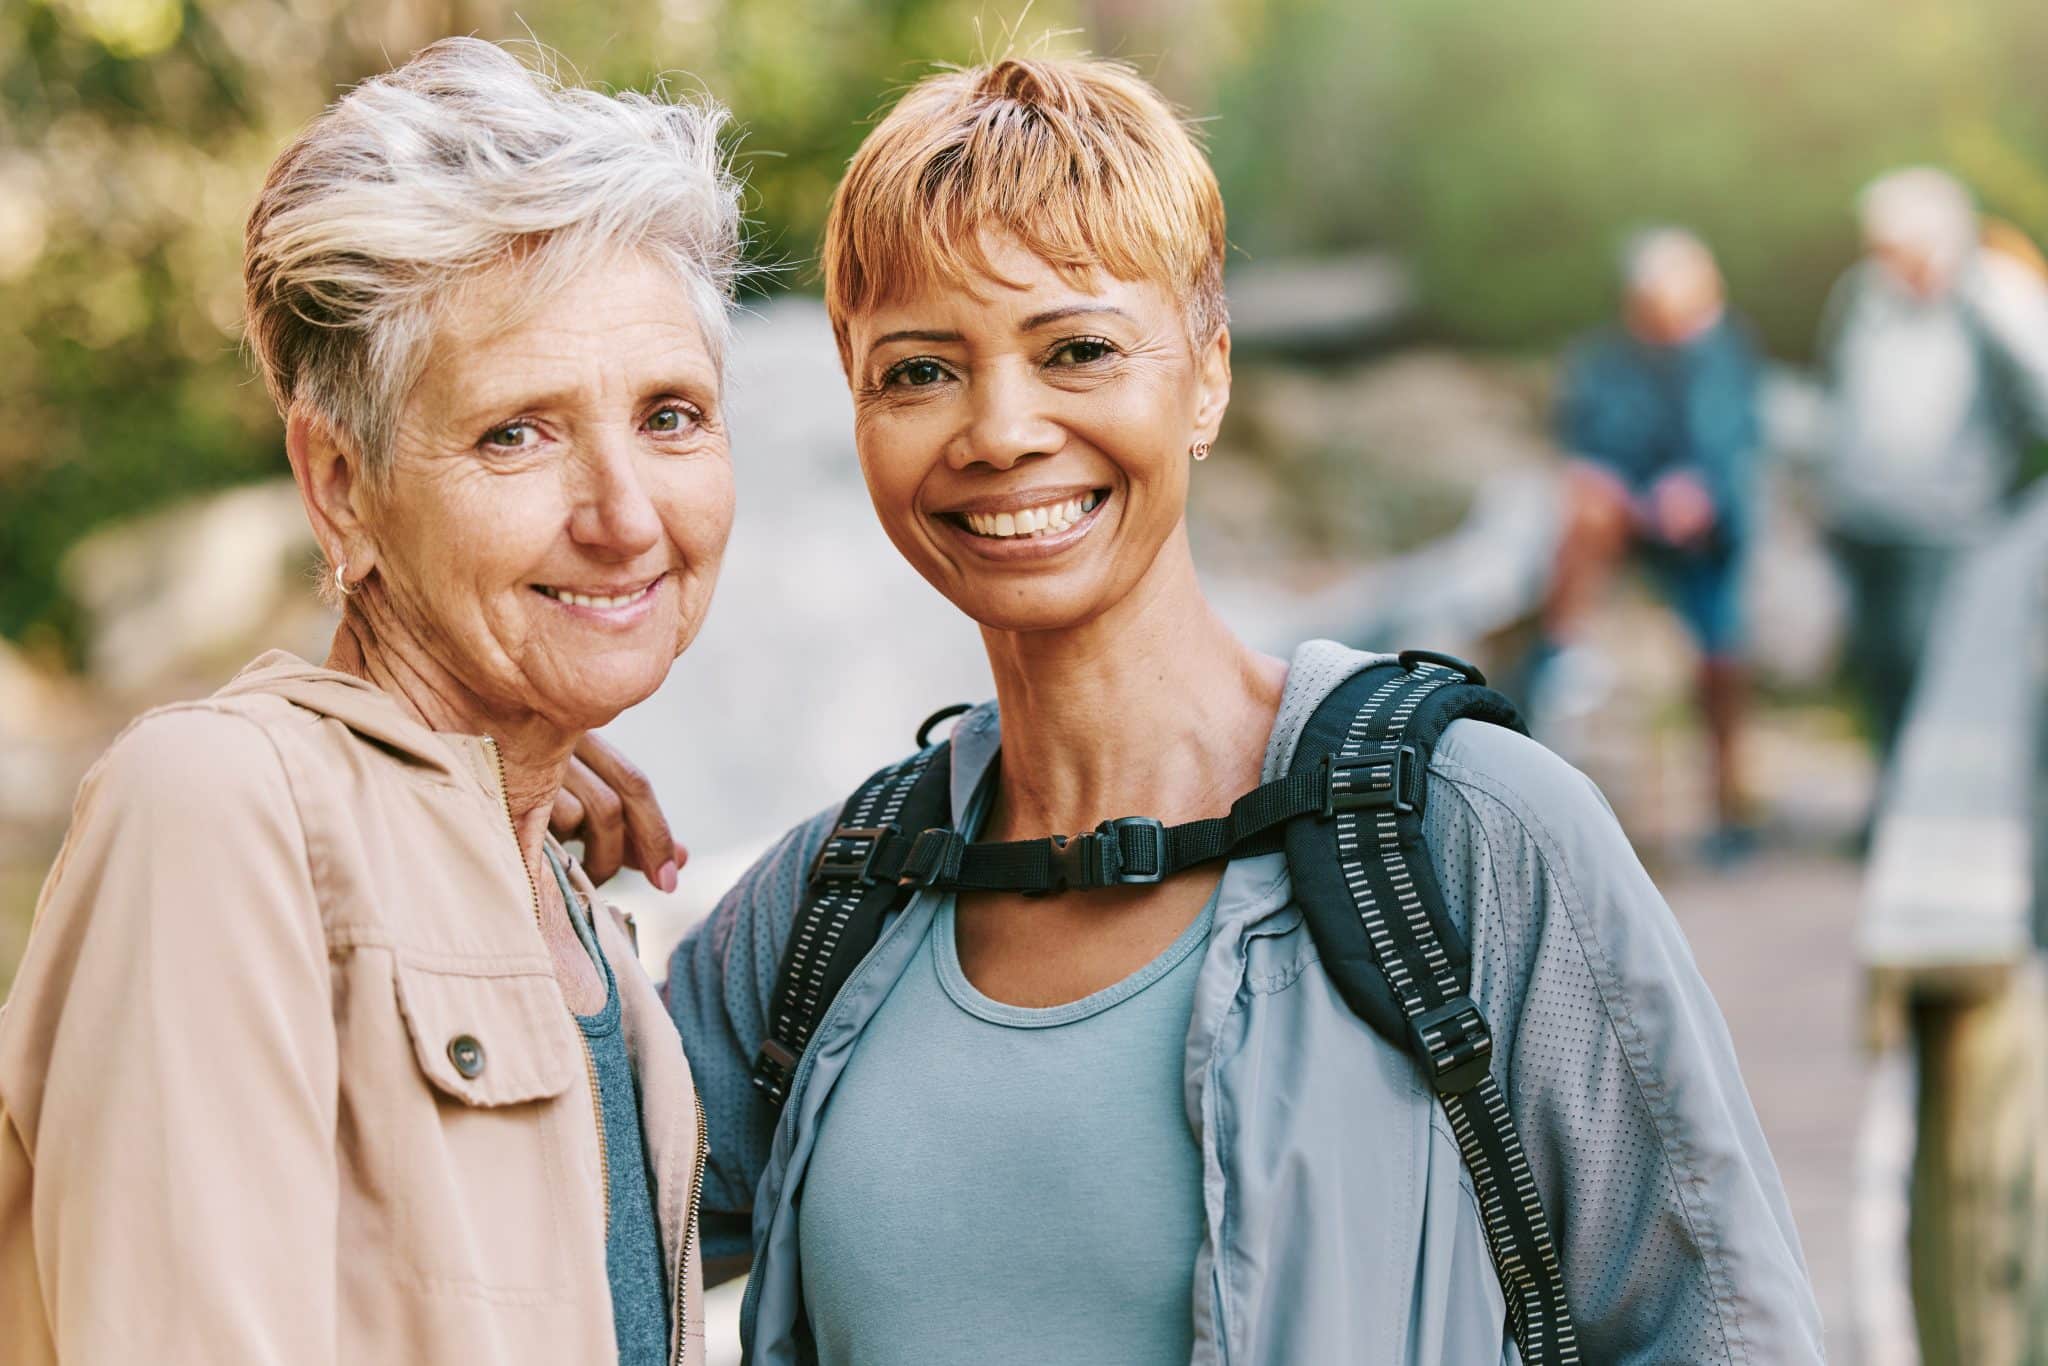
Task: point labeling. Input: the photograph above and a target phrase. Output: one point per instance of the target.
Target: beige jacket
(233, 1124)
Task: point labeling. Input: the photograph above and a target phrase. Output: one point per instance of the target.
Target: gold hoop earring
(341, 584)
(1200, 450)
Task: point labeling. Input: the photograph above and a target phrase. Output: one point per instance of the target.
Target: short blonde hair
(462, 159)
(1079, 159)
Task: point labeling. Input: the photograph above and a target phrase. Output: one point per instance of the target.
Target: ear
(1213, 362)
(334, 488)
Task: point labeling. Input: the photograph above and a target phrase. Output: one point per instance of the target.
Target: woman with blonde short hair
(1139, 1124)
(321, 1050)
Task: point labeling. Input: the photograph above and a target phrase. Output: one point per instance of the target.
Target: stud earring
(1200, 450)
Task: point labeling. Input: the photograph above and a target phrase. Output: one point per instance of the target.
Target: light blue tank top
(632, 1244)
(999, 1184)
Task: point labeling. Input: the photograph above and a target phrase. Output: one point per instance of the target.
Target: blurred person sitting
(321, 1050)
(1935, 352)
(1658, 415)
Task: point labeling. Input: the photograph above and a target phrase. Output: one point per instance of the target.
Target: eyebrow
(1030, 324)
(1053, 315)
(483, 405)
(913, 334)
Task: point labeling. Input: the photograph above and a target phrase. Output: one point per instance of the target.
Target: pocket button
(467, 1055)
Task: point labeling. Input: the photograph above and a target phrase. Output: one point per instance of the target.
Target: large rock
(184, 593)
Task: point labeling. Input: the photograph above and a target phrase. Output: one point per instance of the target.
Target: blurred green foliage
(1507, 150)
(1503, 150)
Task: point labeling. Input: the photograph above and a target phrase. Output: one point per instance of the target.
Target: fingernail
(666, 878)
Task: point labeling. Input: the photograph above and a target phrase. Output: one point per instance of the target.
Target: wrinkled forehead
(997, 271)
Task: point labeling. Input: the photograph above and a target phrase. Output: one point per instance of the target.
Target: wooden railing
(1949, 943)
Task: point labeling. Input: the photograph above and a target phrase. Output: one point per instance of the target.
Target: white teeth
(1032, 521)
(588, 600)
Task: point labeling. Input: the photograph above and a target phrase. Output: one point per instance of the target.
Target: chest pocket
(490, 1133)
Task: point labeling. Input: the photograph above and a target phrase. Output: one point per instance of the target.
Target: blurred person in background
(1935, 352)
(1658, 417)
(1140, 1125)
(321, 1050)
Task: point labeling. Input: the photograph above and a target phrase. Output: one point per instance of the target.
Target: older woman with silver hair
(321, 1050)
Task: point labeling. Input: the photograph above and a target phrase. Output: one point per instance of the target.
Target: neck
(1155, 708)
(533, 750)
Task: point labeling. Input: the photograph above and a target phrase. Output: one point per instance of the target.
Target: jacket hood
(360, 705)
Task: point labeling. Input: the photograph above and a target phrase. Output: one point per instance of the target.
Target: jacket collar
(369, 711)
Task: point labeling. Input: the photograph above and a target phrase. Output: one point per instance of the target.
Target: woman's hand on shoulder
(609, 805)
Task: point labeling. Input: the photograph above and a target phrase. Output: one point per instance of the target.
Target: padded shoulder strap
(1376, 733)
(845, 903)
(1368, 890)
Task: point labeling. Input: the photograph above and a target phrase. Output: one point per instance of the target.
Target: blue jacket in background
(1340, 1222)
(1642, 411)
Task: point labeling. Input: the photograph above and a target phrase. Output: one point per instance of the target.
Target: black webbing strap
(1398, 924)
(842, 916)
(1130, 851)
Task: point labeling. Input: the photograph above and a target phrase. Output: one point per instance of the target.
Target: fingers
(565, 820)
(648, 844)
(604, 827)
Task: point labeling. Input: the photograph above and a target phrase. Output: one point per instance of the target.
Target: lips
(1026, 526)
(599, 598)
(1039, 520)
(1025, 516)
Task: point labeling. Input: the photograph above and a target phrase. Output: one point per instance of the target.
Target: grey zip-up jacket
(1340, 1222)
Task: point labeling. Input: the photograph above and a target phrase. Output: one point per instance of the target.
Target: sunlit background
(1426, 201)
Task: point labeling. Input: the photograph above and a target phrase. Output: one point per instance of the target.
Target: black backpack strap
(847, 899)
(1365, 883)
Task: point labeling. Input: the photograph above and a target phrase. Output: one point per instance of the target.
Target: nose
(611, 514)
(1006, 422)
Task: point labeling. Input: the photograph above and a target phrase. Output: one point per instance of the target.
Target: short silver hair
(1654, 254)
(1922, 208)
(463, 159)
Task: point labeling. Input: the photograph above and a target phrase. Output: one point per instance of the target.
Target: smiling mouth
(1027, 523)
(605, 601)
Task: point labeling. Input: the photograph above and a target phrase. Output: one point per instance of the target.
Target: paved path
(1774, 941)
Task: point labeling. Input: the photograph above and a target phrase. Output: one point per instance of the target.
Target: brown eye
(916, 373)
(510, 437)
(1081, 351)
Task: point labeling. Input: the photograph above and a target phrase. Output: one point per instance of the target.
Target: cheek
(696, 501)
(894, 465)
(462, 535)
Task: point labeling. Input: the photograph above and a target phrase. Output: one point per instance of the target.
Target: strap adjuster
(774, 1068)
(1453, 1044)
(934, 857)
(1097, 859)
(1384, 779)
(849, 855)
(1149, 848)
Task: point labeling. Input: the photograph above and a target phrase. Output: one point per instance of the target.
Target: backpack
(1348, 814)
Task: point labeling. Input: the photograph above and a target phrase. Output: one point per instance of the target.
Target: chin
(598, 696)
(1048, 609)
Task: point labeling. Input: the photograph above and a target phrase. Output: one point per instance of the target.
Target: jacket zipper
(696, 1200)
(604, 1157)
(604, 1161)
